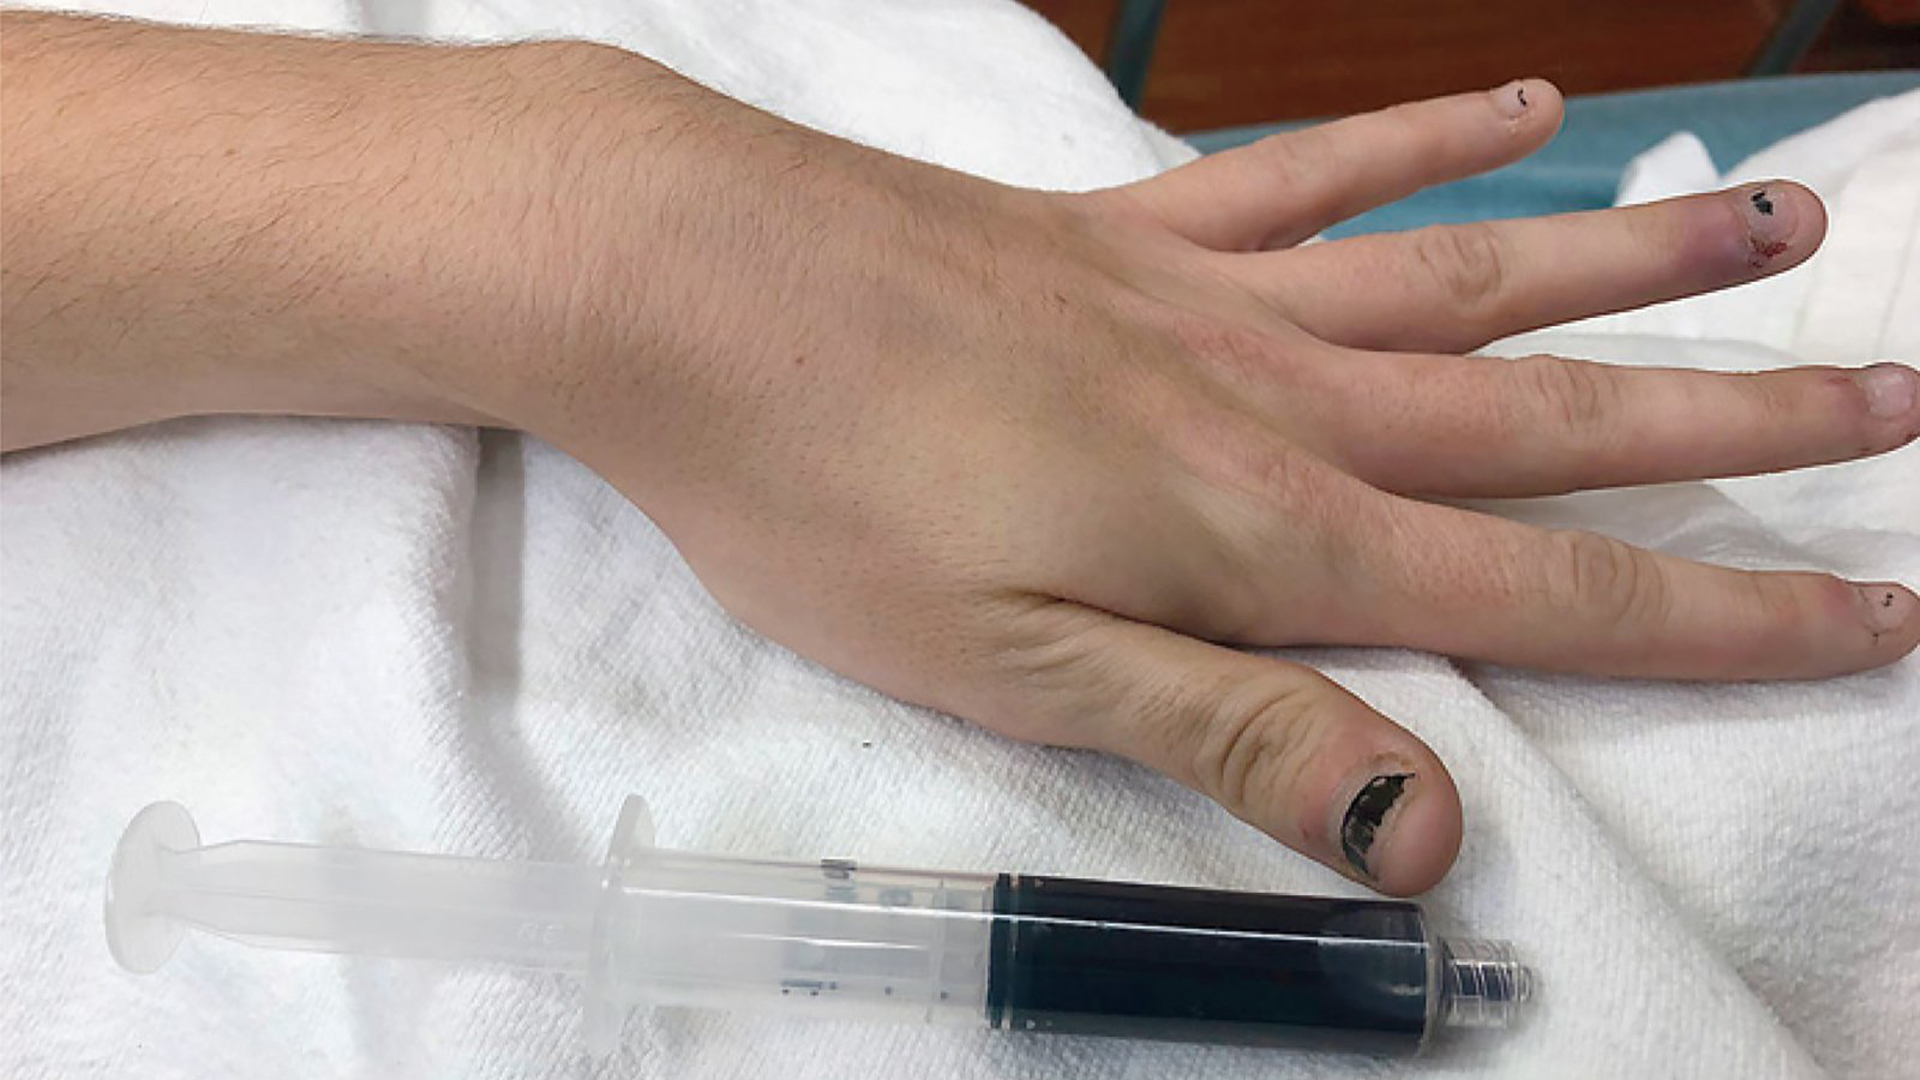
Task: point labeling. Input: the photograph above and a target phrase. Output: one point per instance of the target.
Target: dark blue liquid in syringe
(1199, 965)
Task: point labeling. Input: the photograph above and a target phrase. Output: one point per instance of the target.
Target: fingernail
(1511, 100)
(1770, 221)
(1364, 822)
(1887, 606)
(1890, 390)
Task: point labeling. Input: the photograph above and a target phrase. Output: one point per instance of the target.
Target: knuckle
(1259, 496)
(1580, 397)
(1195, 410)
(1275, 474)
(1775, 611)
(1287, 157)
(1777, 606)
(1605, 579)
(1256, 746)
(1783, 399)
(1411, 127)
(1466, 263)
(1300, 167)
(1230, 351)
(1404, 116)
(1048, 664)
(1083, 213)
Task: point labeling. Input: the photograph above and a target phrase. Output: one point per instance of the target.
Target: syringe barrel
(1202, 965)
(1044, 954)
(828, 938)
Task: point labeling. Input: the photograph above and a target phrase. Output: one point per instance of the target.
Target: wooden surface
(1225, 62)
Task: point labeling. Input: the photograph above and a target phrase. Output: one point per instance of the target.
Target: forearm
(199, 222)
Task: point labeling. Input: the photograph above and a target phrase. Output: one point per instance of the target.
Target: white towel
(428, 638)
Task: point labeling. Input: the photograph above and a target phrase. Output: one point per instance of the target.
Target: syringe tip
(140, 935)
(1484, 983)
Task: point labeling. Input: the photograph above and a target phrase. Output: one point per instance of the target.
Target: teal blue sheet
(1580, 169)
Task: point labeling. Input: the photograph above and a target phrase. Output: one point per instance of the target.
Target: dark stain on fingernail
(1523, 97)
(1762, 203)
(1364, 815)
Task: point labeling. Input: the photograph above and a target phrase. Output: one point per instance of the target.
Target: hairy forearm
(202, 222)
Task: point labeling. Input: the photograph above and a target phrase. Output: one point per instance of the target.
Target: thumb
(1278, 744)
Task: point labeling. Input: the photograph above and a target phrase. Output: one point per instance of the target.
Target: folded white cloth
(420, 637)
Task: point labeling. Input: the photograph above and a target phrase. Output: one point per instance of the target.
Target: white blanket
(432, 638)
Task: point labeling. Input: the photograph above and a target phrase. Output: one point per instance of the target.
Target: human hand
(1037, 459)
(1033, 459)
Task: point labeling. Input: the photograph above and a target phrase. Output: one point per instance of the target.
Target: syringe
(834, 938)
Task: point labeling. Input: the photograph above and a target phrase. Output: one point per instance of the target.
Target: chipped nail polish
(1890, 390)
(1886, 607)
(1361, 825)
(1770, 220)
(1511, 100)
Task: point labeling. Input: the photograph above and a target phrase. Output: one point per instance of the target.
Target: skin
(1035, 459)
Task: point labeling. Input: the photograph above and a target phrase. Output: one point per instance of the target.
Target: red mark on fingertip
(1765, 251)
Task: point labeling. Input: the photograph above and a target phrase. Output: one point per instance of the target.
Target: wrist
(708, 259)
(503, 248)
(608, 249)
(555, 238)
